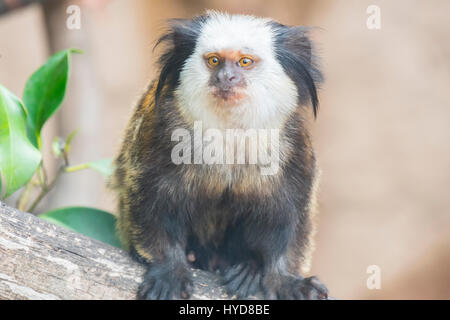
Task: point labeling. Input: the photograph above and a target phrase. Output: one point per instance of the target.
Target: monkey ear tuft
(179, 40)
(294, 51)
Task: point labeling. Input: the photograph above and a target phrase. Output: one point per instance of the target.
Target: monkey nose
(231, 79)
(234, 79)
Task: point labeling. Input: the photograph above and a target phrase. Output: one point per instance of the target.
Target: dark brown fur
(255, 229)
(256, 226)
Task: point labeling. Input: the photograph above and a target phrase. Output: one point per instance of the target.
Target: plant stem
(22, 202)
(44, 173)
(39, 175)
(46, 189)
(78, 167)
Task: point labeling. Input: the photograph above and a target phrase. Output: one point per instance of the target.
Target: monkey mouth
(228, 96)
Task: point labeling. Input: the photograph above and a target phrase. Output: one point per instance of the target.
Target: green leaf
(91, 222)
(45, 91)
(19, 159)
(104, 166)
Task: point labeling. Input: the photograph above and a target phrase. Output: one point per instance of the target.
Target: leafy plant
(19, 159)
(21, 162)
(91, 222)
(45, 91)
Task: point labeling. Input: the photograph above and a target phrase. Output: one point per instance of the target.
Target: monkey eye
(245, 62)
(213, 61)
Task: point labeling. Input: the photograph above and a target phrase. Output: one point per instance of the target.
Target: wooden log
(39, 260)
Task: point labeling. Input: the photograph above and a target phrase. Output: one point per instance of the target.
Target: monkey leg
(281, 278)
(259, 260)
(167, 279)
(251, 244)
(158, 240)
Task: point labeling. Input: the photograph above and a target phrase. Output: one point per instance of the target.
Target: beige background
(382, 135)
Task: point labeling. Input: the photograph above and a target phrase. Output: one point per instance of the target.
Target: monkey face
(238, 71)
(233, 78)
(228, 79)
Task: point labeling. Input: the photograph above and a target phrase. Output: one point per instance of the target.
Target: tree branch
(39, 260)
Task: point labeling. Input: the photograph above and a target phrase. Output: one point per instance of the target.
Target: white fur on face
(270, 94)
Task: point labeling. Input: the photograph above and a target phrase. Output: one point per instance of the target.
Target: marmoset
(190, 193)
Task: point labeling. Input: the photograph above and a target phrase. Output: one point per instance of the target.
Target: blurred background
(382, 134)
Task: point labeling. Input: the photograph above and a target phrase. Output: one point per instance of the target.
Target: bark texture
(39, 260)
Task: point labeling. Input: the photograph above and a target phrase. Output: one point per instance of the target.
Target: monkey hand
(242, 280)
(162, 282)
(290, 287)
